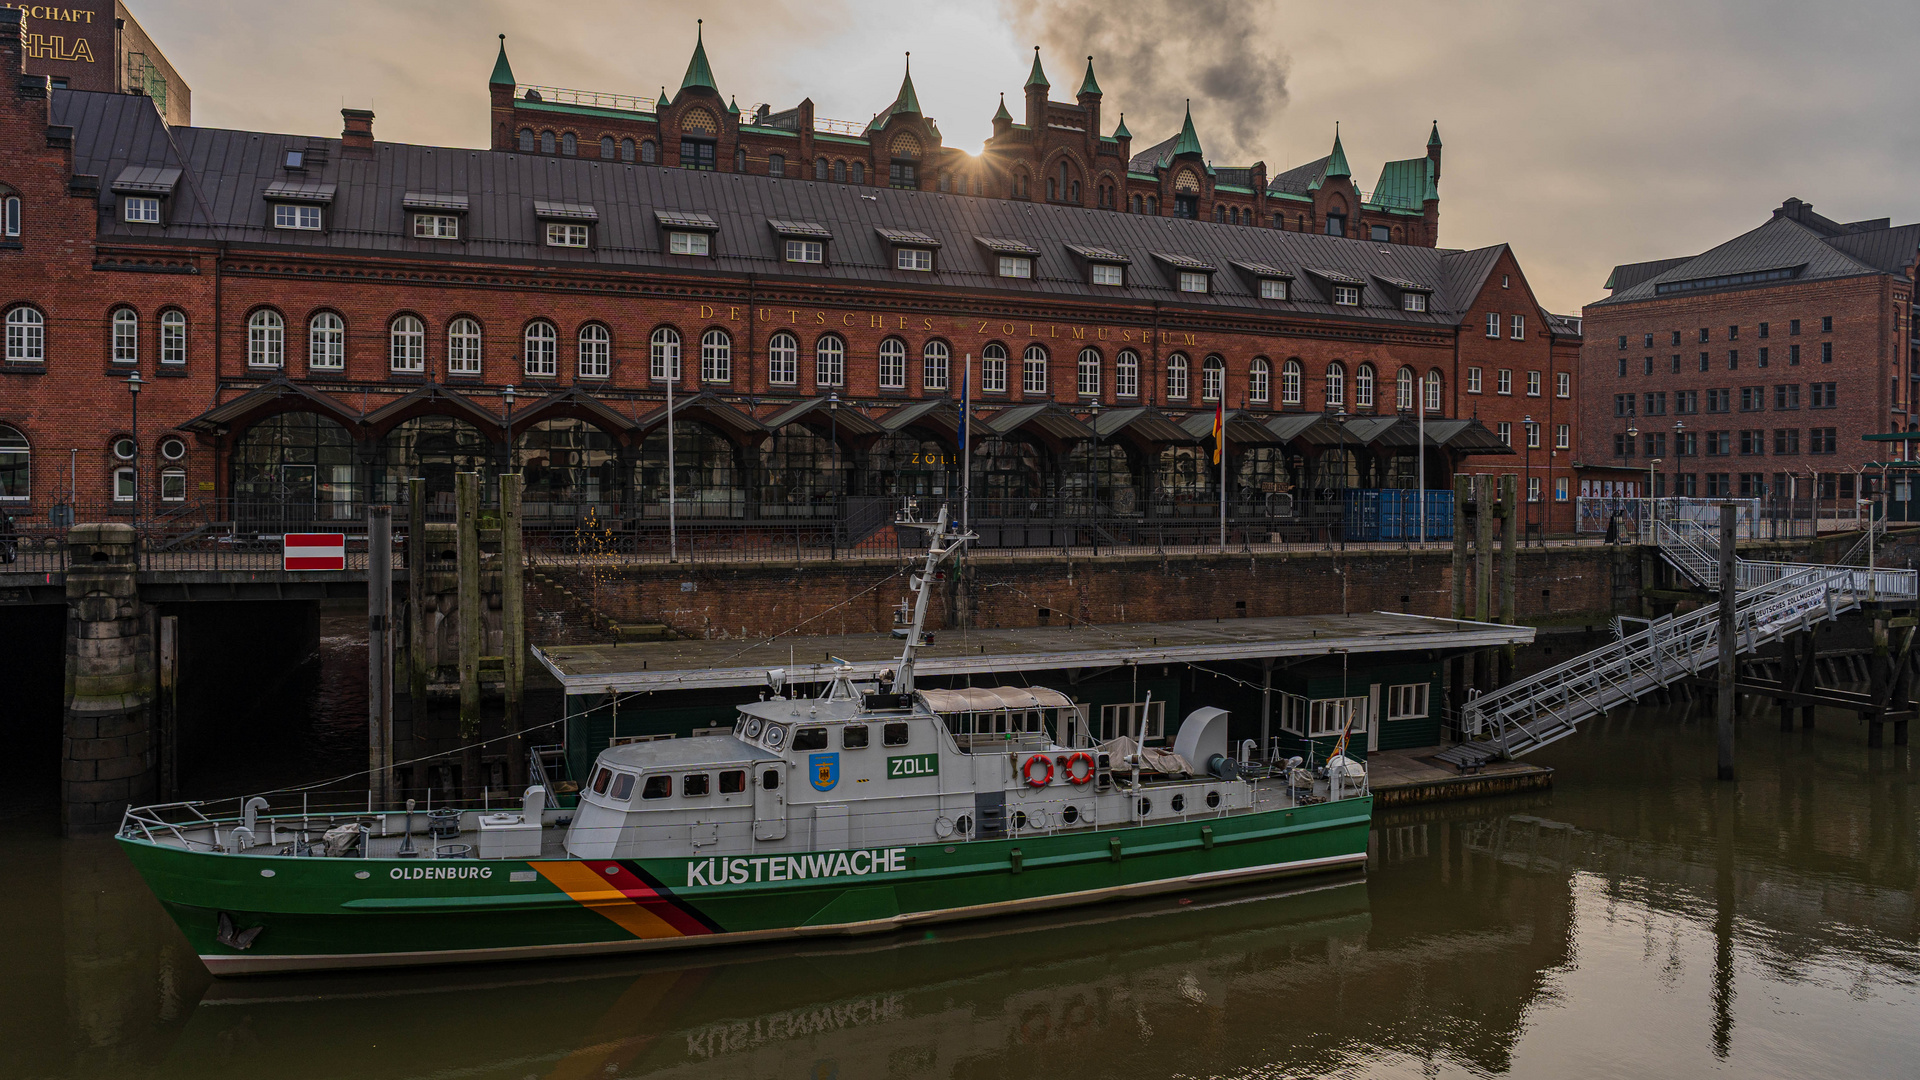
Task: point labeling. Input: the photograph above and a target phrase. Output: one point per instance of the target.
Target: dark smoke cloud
(1152, 55)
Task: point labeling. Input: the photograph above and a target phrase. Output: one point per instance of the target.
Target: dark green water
(1641, 920)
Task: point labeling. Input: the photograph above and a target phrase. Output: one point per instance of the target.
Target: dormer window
(559, 235)
(299, 204)
(1109, 274)
(293, 216)
(687, 233)
(1105, 266)
(143, 209)
(912, 249)
(1413, 301)
(688, 243)
(1273, 289)
(1346, 295)
(435, 216)
(436, 226)
(568, 225)
(1192, 281)
(802, 241)
(1016, 266)
(806, 251)
(919, 259)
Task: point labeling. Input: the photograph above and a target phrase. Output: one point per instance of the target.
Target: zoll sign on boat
(314, 551)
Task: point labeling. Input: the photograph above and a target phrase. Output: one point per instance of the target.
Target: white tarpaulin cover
(989, 698)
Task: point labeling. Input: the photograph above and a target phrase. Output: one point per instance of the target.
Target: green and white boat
(866, 809)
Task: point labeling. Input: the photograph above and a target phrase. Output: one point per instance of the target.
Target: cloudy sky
(1584, 134)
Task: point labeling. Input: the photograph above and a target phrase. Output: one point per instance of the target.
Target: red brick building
(1753, 369)
(99, 45)
(313, 320)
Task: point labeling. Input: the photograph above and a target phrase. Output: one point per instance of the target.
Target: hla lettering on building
(55, 46)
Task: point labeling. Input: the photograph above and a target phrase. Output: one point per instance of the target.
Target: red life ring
(1067, 763)
(1026, 771)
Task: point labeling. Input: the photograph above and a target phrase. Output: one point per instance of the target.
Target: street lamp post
(1346, 472)
(508, 395)
(833, 427)
(133, 392)
(1633, 440)
(1093, 481)
(1526, 435)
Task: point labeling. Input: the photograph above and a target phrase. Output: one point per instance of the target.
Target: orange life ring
(1026, 771)
(1067, 763)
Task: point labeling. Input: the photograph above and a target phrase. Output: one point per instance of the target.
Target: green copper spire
(502, 71)
(1434, 139)
(908, 101)
(1337, 161)
(1088, 85)
(1002, 113)
(733, 107)
(1189, 142)
(1121, 132)
(699, 74)
(1037, 77)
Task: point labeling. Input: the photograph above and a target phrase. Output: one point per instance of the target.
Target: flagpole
(673, 523)
(966, 437)
(1220, 451)
(1420, 462)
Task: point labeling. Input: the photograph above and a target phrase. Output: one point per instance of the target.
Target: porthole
(1213, 800)
(1146, 807)
(173, 449)
(776, 734)
(123, 448)
(753, 727)
(1019, 819)
(1179, 803)
(1070, 815)
(963, 825)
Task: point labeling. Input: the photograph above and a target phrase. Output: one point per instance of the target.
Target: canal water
(1641, 920)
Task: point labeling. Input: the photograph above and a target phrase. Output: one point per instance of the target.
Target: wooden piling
(1723, 699)
(513, 628)
(1483, 575)
(380, 654)
(466, 500)
(1457, 683)
(419, 655)
(1509, 566)
(1878, 687)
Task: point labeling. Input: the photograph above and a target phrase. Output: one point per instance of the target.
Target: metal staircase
(1775, 599)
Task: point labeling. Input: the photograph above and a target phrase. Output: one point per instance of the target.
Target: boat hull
(318, 913)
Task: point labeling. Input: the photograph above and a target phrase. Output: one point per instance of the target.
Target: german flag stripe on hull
(627, 896)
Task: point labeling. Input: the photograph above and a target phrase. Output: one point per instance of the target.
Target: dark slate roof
(1152, 157)
(1782, 243)
(1627, 275)
(1297, 179)
(1889, 250)
(220, 198)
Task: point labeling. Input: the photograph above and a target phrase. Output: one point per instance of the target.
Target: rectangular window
(146, 210)
(1686, 444)
(1623, 367)
(687, 243)
(1623, 342)
(1473, 380)
(1533, 384)
(1761, 359)
(1109, 274)
(1676, 363)
(1128, 719)
(1826, 324)
(1414, 301)
(1493, 327)
(1823, 440)
(1657, 403)
(1519, 328)
(1646, 365)
(1623, 445)
(1195, 282)
(1733, 359)
(560, 234)
(806, 251)
(1753, 398)
(1763, 330)
(1533, 489)
(1563, 384)
(436, 226)
(1273, 289)
(1786, 440)
(1623, 404)
(1826, 352)
(1793, 355)
(1562, 436)
(1823, 395)
(1407, 701)
(123, 485)
(1705, 362)
(1015, 266)
(1793, 327)
(1717, 485)
(1719, 400)
(1686, 402)
(173, 486)
(920, 259)
(1505, 431)
(1533, 436)
(286, 216)
(1656, 444)
(1733, 333)
(1753, 442)
(1559, 489)
(1503, 381)
(1646, 341)
(1719, 443)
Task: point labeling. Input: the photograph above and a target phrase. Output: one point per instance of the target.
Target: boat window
(694, 784)
(776, 735)
(753, 727)
(810, 738)
(657, 787)
(853, 737)
(600, 781)
(895, 734)
(1033, 720)
(770, 780)
(733, 781)
(622, 787)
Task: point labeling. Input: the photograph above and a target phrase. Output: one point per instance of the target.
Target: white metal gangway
(1775, 599)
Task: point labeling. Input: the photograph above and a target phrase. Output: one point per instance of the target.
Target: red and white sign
(314, 551)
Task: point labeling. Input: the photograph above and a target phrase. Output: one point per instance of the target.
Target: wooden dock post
(513, 628)
(1878, 685)
(466, 499)
(1457, 682)
(380, 654)
(1809, 674)
(419, 656)
(1483, 575)
(1509, 565)
(1723, 700)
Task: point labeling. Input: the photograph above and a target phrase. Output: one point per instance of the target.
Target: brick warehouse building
(316, 319)
(1753, 369)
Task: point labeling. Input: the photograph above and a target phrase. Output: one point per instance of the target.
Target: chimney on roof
(1795, 209)
(356, 137)
(12, 22)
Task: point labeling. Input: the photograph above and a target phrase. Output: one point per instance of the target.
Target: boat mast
(941, 545)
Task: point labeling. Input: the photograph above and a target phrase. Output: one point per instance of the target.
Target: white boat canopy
(990, 698)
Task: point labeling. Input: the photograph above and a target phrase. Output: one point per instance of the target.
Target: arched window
(10, 215)
(407, 345)
(1126, 374)
(266, 339)
(1213, 378)
(664, 355)
(626, 149)
(326, 342)
(606, 147)
(648, 154)
(1433, 390)
(1219, 212)
(126, 336)
(776, 164)
(463, 347)
(1363, 387)
(569, 145)
(857, 173)
(1053, 190)
(993, 369)
(542, 347)
(1153, 205)
(1259, 378)
(1133, 204)
(1336, 386)
(839, 172)
(893, 364)
(1403, 390)
(934, 360)
(173, 337)
(783, 359)
(1089, 374)
(739, 161)
(716, 357)
(526, 140)
(829, 361)
(1290, 380)
(546, 142)
(1033, 370)
(1076, 193)
(16, 475)
(1020, 185)
(1177, 386)
(593, 352)
(820, 168)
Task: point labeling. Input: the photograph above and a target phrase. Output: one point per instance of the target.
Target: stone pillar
(108, 758)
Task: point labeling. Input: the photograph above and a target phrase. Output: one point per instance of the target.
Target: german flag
(1219, 430)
